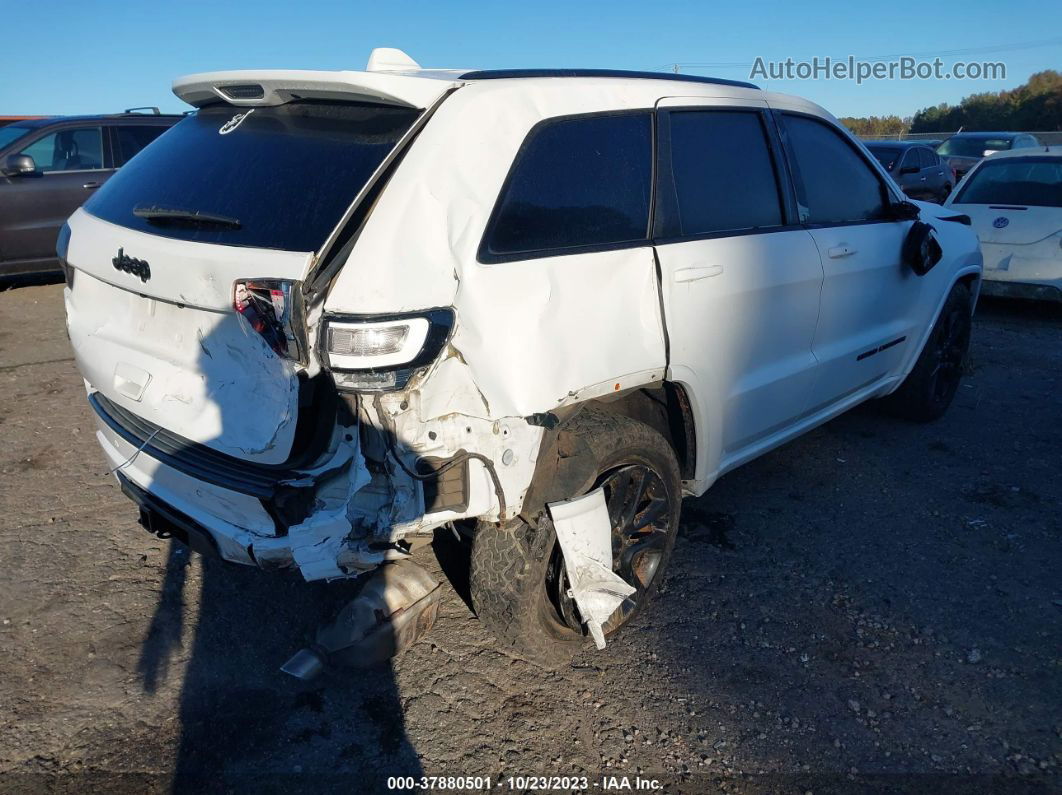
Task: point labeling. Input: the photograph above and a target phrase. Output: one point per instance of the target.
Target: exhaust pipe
(398, 603)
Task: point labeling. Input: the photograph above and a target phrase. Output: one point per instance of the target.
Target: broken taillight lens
(273, 308)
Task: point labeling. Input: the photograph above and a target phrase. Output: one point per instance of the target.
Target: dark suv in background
(916, 168)
(965, 150)
(50, 166)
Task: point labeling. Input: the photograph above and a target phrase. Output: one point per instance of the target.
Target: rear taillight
(381, 353)
(273, 308)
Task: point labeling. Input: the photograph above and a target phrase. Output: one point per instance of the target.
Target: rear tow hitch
(398, 603)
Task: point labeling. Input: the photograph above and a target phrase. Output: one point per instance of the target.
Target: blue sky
(89, 57)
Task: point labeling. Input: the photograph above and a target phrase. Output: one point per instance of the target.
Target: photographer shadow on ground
(228, 628)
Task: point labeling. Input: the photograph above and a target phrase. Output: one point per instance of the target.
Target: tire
(517, 574)
(944, 195)
(929, 388)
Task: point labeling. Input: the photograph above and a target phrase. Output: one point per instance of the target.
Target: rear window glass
(723, 172)
(961, 146)
(1025, 181)
(576, 182)
(282, 177)
(887, 156)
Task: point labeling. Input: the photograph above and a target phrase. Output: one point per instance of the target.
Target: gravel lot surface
(876, 606)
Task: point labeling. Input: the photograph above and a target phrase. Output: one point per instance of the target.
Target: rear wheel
(518, 579)
(930, 387)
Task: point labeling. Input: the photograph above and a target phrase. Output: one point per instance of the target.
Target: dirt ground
(876, 606)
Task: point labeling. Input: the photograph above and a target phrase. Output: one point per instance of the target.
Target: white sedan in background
(1014, 200)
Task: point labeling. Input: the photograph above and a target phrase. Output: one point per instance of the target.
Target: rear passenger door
(866, 316)
(933, 170)
(909, 174)
(741, 278)
(570, 287)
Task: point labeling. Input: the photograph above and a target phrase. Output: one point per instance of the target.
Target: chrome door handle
(91, 185)
(843, 250)
(923, 179)
(698, 272)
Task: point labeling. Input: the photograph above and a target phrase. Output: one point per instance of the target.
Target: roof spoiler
(394, 79)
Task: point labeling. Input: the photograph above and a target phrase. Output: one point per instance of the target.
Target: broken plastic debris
(584, 532)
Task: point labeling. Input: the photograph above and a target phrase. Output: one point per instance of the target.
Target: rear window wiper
(173, 215)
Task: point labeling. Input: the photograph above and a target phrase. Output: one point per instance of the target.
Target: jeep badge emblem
(234, 122)
(1000, 222)
(137, 267)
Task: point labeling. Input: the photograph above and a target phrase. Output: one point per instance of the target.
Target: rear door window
(724, 177)
(577, 182)
(834, 184)
(926, 158)
(68, 149)
(132, 138)
(281, 177)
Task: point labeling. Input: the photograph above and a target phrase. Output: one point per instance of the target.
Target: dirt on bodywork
(875, 606)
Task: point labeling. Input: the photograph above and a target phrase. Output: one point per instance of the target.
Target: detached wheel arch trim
(517, 578)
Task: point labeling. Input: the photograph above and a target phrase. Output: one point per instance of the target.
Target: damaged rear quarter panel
(530, 336)
(532, 333)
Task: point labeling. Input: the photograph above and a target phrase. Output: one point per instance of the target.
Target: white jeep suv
(330, 312)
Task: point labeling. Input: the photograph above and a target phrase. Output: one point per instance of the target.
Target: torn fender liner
(584, 532)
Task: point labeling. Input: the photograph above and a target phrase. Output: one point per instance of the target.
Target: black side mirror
(19, 166)
(910, 170)
(921, 251)
(904, 211)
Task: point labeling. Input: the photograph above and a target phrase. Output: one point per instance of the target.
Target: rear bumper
(163, 521)
(233, 521)
(189, 494)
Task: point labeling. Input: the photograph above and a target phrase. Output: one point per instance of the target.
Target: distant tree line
(877, 126)
(1036, 105)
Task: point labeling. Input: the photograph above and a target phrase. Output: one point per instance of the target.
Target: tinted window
(926, 158)
(11, 133)
(68, 149)
(886, 155)
(910, 159)
(286, 174)
(1022, 181)
(723, 172)
(577, 182)
(131, 139)
(833, 183)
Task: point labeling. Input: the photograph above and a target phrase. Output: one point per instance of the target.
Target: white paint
(763, 330)
(584, 533)
(1028, 249)
(416, 90)
(389, 59)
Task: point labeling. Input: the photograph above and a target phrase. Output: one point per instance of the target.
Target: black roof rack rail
(154, 111)
(500, 74)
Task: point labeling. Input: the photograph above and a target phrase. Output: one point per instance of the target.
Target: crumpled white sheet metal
(584, 532)
(517, 321)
